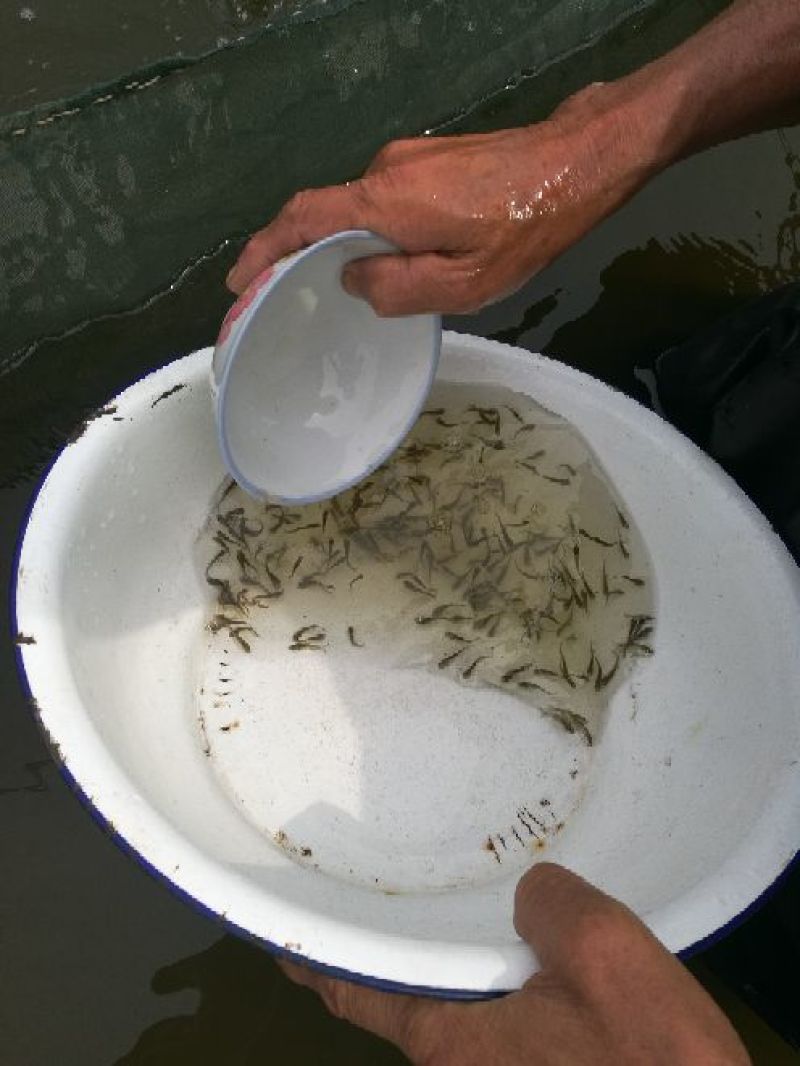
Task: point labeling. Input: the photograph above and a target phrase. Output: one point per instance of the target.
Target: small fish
(225, 596)
(302, 529)
(416, 584)
(312, 634)
(509, 675)
(602, 680)
(470, 670)
(495, 445)
(449, 658)
(571, 722)
(413, 587)
(351, 636)
(240, 640)
(640, 629)
(445, 609)
(490, 416)
(221, 621)
(248, 571)
(311, 582)
(592, 661)
(274, 580)
(528, 427)
(526, 466)
(597, 540)
(510, 544)
(565, 671)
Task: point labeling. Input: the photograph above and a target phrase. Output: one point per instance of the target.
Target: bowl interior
(693, 793)
(319, 389)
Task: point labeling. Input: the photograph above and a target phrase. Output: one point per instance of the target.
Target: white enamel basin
(692, 803)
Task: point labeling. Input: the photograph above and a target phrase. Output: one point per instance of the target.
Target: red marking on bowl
(243, 303)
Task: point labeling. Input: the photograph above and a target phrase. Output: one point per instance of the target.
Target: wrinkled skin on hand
(608, 994)
(475, 216)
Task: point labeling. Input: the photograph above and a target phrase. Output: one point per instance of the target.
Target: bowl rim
(281, 272)
(97, 807)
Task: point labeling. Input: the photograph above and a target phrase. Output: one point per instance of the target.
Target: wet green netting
(55, 48)
(108, 195)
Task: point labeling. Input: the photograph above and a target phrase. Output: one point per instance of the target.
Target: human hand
(474, 216)
(608, 994)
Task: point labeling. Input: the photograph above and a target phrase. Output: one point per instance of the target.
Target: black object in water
(735, 390)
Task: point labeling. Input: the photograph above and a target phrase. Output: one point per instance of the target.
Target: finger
(570, 923)
(424, 283)
(397, 1018)
(308, 217)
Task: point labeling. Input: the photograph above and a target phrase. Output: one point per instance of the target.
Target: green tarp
(106, 197)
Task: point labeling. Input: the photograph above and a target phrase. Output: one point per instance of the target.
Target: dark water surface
(99, 964)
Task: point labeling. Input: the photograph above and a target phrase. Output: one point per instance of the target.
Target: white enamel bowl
(689, 810)
(312, 390)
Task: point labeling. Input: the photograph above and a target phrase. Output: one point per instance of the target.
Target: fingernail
(230, 279)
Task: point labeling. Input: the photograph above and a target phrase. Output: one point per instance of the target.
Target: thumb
(569, 922)
(424, 283)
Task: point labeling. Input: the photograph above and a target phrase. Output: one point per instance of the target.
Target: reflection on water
(248, 1015)
(689, 249)
(658, 295)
